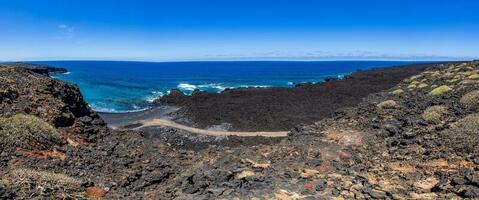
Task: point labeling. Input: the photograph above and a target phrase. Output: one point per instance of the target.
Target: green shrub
(470, 100)
(434, 114)
(440, 90)
(387, 104)
(28, 132)
(422, 85)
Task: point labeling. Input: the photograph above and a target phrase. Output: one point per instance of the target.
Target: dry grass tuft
(397, 92)
(43, 183)
(463, 135)
(471, 100)
(473, 77)
(244, 174)
(28, 132)
(388, 104)
(434, 114)
(436, 74)
(468, 125)
(440, 90)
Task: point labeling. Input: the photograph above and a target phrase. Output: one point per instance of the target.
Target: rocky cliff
(26, 91)
(38, 68)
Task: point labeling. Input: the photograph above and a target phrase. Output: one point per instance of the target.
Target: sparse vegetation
(28, 132)
(43, 183)
(380, 149)
(434, 114)
(471, 100)
(389, 104)
(440, 90)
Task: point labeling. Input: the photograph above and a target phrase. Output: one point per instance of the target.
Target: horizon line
(439, 59)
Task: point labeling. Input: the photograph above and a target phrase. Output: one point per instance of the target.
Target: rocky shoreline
(277, 109)
(41, 69)
(417, 139)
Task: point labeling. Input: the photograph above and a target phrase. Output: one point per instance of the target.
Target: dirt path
(169, 123)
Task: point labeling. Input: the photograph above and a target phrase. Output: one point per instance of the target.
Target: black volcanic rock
(175, 95)
(261, 109)
(41, 69)
(198, 92)
(23, 90)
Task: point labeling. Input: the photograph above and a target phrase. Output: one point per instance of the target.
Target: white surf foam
(216, 86)
(255, 86)
(154, 95)
(187, 86)
(112, 110)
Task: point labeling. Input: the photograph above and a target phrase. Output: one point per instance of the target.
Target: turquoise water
(131, 86)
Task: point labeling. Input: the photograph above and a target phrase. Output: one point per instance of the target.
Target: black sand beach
(115, 120)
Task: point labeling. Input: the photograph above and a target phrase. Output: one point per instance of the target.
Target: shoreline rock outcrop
(40, 69)
(278, 109)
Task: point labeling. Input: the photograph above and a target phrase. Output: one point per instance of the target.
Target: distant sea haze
(118, 87)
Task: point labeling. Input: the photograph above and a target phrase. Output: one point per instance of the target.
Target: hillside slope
(418, 140)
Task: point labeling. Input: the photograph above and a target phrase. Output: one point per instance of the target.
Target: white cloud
(66, 32)
(331, 55)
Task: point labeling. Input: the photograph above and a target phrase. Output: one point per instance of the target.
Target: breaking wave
(154, 95)
(210, 87)
(113, 110)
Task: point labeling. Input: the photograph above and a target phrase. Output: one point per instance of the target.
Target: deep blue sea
(131, 86)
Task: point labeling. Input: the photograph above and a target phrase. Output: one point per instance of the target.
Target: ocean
(116, 87)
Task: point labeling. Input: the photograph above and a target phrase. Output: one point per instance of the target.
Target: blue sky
(239, 30)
